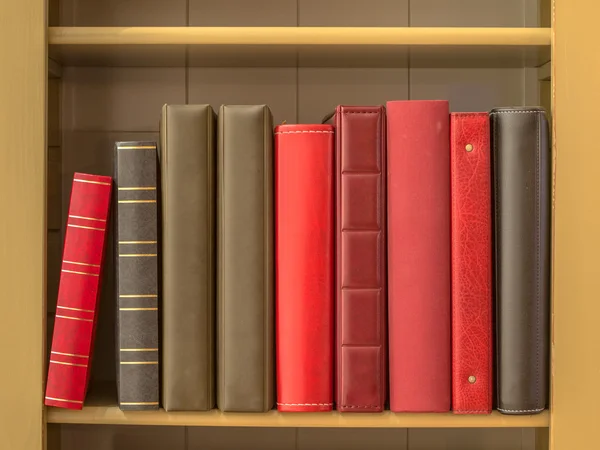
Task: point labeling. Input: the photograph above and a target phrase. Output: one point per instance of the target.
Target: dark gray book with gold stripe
(187, 162)
(137, 275)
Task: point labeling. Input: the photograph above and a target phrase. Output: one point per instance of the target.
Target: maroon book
(361, 273)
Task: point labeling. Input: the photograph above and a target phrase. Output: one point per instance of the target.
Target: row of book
(384, 258)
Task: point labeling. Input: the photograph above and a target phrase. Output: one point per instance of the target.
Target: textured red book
(361, 269)
(419, 255)
(471, 263)
(76, 309)
(304, 266)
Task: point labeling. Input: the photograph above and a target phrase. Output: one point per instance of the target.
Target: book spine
(304, 265)
(419, 255)
(361, 269)
(471, 263)
(187, 158)
(522, 183)
(77, 304)
(245, 279)
(136, 266)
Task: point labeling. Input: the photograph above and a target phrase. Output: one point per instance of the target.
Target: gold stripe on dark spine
(63, 400)
(139, 296)
(139, 362)
(135, 255)
(85, 228)
(138, 349)
(86, 218)
(137, 147)
(136, 242)
(81, 264)
(73, 318)
(137, 403)
(138, 309)
(80, 273)
(137, 189)
(75, 309)
(91, 182)
(137, 201)
(67, 364)
(70, 354)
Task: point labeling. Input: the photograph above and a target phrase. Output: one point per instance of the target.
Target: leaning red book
(78, 292)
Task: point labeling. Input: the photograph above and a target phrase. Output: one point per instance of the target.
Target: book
(78, 292)
(522, 183)
(245, 259)
(361, 258)
(304, 193)
(418, 144)
(471, 195)
(187, 171)
(137, 275)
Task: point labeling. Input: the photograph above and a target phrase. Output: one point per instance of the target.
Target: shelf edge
(441, 36)
(114, 416)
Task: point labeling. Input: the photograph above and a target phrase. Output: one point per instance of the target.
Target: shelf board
(112, 415)
(303, 46)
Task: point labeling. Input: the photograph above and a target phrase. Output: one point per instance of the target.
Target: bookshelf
(74, 83)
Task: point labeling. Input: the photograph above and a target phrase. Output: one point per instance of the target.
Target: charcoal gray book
(137, 275)
(522, 188)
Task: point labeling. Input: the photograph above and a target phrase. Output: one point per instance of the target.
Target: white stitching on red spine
(305, 131)
(305, 404)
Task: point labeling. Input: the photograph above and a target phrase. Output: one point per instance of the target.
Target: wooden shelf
(304, 46)
(112, 415)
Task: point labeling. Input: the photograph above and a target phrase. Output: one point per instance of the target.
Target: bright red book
(77, 305)
(304, 242)
(361, 269)
(419, 255)
(471, 263)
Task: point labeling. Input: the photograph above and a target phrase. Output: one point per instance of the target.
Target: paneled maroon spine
(78, 292)
(419, 255)
(471, 263)
(361, 270)
(304, 266)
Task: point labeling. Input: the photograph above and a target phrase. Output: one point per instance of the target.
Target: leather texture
(361, 262)
(76, 315)
(187, 178)
(419, 255)
(304, 186)
(136, 273)
(245, 261)
(522, 183)
(471, 196)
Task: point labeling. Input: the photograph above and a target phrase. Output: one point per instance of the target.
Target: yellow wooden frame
(576, 271)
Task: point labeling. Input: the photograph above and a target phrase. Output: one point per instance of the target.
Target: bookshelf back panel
(428, 13)
(124, 437)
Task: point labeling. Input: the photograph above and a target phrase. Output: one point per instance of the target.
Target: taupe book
(245, 269)
(187, 161)
(136, 264)
(522, 187)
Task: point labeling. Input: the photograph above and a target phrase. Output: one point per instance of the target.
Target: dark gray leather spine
(522, 190)
(136, 264)
(245, 286)
(187, 160)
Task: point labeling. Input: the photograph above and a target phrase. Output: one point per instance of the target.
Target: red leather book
(304, 266)
(76, 309)
(471, 263)
(419, 255)
(361, 269)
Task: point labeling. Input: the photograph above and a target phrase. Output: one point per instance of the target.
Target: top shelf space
(300, 46)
